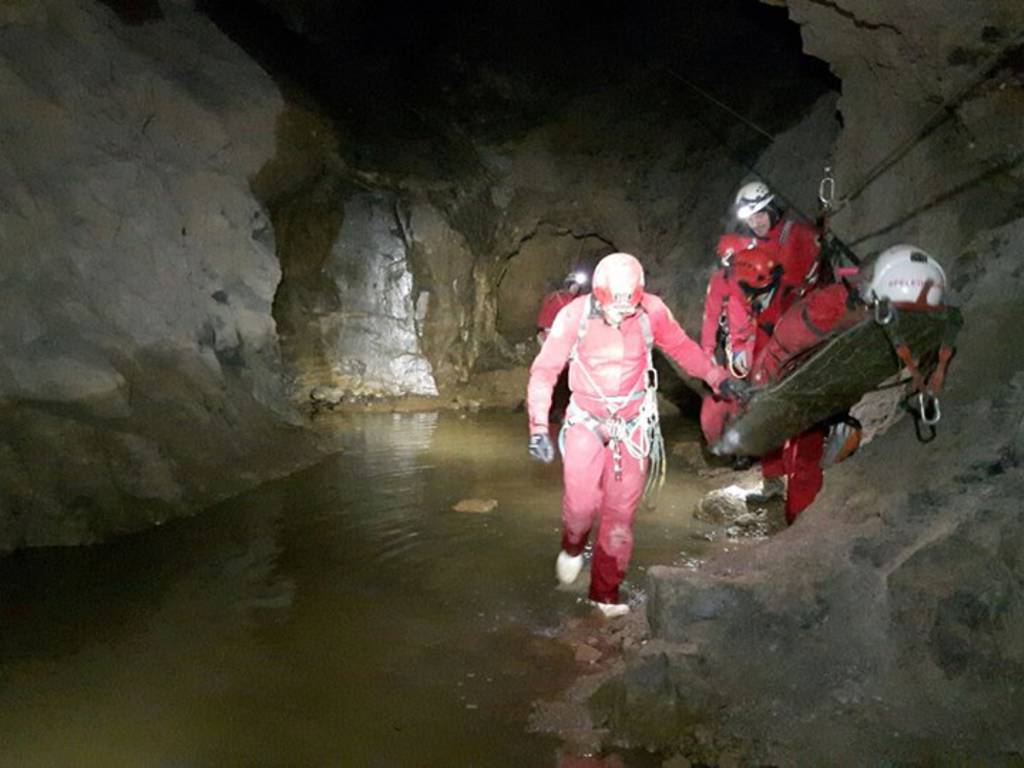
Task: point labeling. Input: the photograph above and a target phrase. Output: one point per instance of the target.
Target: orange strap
(908, 360)
(938, 377)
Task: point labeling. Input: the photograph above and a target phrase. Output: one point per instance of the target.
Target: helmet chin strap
(616, 313)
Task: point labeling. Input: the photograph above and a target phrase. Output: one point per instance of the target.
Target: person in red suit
(574, 284)
(572, 287)
(765, 268)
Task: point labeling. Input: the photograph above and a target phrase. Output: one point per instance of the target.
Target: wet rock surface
(475, 506)
(722, 505)
(139, 375)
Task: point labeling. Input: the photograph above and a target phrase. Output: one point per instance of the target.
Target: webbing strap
(784, 234)
(613, 432)
(645, 328)
(616, 431)
(938, 377)
(929, 412)
(590, 311)
(613, 402)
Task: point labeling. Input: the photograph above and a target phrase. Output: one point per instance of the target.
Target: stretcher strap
(928, 411)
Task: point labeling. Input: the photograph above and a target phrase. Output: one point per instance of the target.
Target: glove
(735, 389)
(541, 448)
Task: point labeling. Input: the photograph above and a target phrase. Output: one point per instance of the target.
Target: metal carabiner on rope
(652, 378)
(884, 313)
(926, 416)
(928, 408)
(827, 190)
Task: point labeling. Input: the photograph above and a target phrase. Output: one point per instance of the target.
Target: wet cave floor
(344, 615)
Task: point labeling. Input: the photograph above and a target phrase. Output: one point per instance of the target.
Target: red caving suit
(795, 246)
(615, 359)
(550, 308)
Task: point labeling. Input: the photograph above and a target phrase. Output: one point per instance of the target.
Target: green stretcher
(830, 378)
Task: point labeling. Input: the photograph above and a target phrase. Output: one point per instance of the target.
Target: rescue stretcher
(828, 378)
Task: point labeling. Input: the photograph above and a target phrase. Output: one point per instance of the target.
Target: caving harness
(640, 435)
(740, 367)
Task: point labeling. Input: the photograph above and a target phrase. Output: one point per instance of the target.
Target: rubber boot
(612, 610)
(568, 567)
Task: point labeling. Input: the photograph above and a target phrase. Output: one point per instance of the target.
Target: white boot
(613, 610)
(770, 488)
(567, 567)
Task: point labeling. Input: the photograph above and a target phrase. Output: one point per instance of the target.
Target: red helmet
(618, 279)
(730, 245)
(755, 270)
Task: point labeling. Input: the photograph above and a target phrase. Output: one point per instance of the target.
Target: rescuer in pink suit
(606, 338)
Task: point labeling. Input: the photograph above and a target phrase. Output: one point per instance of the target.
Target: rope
(949, 194)
(749, 167)
(947, 110)
(730, 110)
(941, 115)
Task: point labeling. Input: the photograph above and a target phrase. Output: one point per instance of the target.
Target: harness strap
(641, 434)
(722, 342)
(784, 234)
(613, 402)
(938, 378)
(903, 351)
(613, 432)
(645, 328)
(588, 312)
(929, 412)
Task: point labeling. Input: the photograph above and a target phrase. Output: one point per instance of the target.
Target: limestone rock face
(889, 617)
(373, 339)
(902, 64)
(138, 270)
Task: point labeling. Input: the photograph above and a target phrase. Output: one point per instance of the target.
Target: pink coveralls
(615, 360)
(794, 245)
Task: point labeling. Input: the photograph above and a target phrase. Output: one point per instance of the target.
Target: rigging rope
(946, 110)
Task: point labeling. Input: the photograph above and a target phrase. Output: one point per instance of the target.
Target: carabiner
(827, 189)
(928, 408)
(652, 378)
(884, 313)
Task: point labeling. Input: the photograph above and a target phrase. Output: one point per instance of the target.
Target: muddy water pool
(341, 616)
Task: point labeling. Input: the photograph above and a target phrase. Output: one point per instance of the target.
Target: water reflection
(341, 616)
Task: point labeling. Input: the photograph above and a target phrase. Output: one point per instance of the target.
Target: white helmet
(900, 274)
(751, 198)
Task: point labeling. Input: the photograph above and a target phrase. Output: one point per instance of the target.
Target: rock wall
(889, 619)
(931, 107)
(139, 372)
(374, 337)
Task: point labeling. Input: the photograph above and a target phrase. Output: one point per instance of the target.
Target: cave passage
(344, 615)
(269, 222)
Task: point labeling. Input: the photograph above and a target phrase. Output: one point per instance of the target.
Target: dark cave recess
(478, 63)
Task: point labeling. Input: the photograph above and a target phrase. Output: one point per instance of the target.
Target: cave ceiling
(497, 69)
